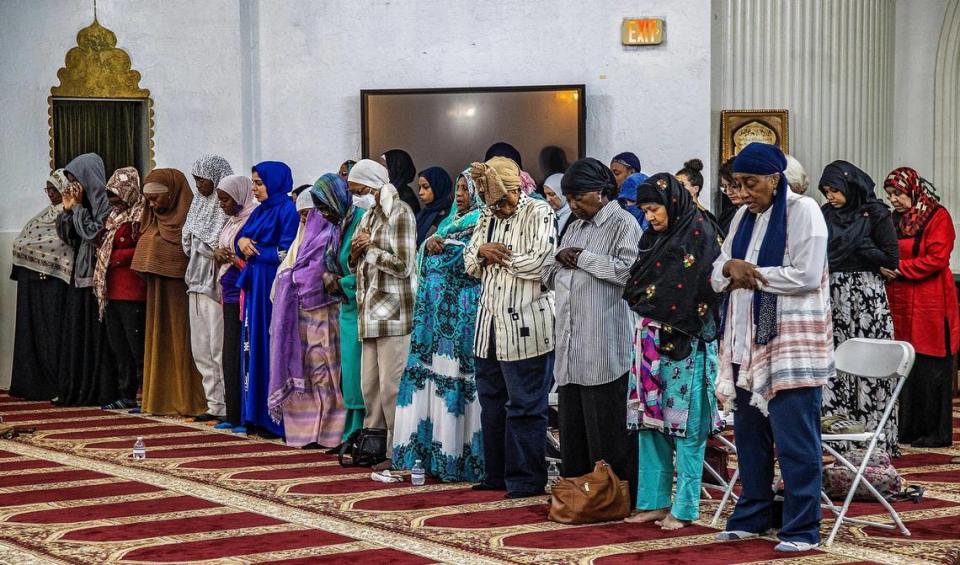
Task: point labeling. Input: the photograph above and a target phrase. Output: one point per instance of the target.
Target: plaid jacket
(386, 284)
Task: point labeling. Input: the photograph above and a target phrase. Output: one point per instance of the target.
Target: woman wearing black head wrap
(401, 170)
(673, 401)
(504, 149)
(863, 240)
(593, 355)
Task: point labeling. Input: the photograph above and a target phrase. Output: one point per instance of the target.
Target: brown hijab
(160, 251)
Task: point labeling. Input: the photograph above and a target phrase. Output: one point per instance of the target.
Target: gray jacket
(79, 227)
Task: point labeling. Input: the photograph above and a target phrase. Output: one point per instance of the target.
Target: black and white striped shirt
(512, 298)
(594, 324)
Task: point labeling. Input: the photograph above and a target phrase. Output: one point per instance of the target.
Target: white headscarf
(373, 174)
(38, 247)
(304, 201)
(205, 218)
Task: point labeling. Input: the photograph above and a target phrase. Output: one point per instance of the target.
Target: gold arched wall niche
(97, 69)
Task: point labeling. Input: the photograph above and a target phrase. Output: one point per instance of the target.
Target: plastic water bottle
(139, 449)
(417, 475)
(553, 474)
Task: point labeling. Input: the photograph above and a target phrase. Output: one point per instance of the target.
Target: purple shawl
(298, 287)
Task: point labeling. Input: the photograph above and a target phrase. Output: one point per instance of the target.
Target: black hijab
(670, 281)
(504, 149)
(589, 175)
(852, 224)
(401, 171)
(432, 214)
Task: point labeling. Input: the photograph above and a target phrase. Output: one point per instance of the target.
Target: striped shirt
(512, 298)
(594, 323)
(386, 286)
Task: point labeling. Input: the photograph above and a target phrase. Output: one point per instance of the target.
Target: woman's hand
(223, 255)
(890, 275)
(743, 275)
(360, 243)
(248, 246)
(434, 246)
(72, 196)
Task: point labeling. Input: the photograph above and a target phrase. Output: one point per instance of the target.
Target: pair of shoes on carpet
(224, 426)
(135, 410)
(736, 535)
(488, 486)
(119, 404)
(385, 476)
(783, 546)
(240, 430)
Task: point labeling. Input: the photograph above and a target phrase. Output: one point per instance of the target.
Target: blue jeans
(513, 418)
(794, 427)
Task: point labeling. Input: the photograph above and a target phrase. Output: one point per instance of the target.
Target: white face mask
(364, 202)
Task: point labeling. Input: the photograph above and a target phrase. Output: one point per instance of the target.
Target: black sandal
(912, 493)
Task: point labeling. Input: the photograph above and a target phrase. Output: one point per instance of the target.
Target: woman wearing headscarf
(776, 351)
(923, 301)
(623, 165)
(504, 149)
(43, 269)
(553, 193)
(438, 413)
(87, 369)
(339, 280)
(383, 256)
(675, 351)
(862, 241)
(304, 390)
(121, 293)
(731, 189)
(628, 198)
(401, 172)
(171, 383)
(436, 196)
(235, 196)
(262, 243)
(588, 273)
(201, 234)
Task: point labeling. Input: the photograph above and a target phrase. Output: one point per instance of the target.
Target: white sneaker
(734, 535)
(795, 546)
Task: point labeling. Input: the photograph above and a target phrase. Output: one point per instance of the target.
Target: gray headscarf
(85, 221)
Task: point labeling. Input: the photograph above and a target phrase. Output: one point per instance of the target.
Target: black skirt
(87, 372)
(40, 301)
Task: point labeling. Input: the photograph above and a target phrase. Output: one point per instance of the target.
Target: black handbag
(364, 448)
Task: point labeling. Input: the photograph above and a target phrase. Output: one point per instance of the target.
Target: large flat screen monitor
(451, 127)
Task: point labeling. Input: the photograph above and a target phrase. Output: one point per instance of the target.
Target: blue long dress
(273, 226)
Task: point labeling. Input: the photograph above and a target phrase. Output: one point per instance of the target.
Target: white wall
(280, 80)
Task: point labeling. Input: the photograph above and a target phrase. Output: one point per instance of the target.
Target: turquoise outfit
(349, 340)
(438, 412)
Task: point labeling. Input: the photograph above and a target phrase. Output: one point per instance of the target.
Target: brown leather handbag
(598, 496)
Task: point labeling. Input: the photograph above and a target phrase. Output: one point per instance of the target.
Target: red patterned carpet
(70, 493)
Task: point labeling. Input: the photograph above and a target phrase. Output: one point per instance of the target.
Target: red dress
(924, 299)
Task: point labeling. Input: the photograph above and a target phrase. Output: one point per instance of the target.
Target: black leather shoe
(488, 486)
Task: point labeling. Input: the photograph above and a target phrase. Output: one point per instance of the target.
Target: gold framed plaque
(739, 128)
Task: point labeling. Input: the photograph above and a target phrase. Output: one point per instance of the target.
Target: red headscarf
(925, 202)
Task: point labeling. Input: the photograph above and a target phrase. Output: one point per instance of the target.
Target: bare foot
(648, 516)
(671, 523)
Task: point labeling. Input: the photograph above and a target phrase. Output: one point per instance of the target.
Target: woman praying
(171, 383)
(675, 351)
(436, 196)
(43, 270)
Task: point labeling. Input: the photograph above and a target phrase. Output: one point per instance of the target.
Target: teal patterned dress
(438, 413)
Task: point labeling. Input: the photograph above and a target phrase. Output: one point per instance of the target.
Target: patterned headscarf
(331, 191)
(921, 193)
(206, 218)
(38, 247)
(457, 220)
(495, 178)
(240, 189)
(124, 183)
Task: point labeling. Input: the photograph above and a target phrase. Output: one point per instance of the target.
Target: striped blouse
(594, 323)
(512, 298)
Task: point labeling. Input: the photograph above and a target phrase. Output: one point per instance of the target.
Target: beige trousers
(381, 366)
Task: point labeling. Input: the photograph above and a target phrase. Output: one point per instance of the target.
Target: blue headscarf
(627, 159)
(764, 159)
(430, 215)
(331, 191)
(628, 191)
(270, 223)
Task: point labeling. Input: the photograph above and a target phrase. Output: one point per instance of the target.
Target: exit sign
(641, 31)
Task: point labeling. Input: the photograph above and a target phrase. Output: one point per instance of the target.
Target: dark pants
(513, 418)
(794, 426)
(593, 426)
(926, 410)
(232, 327)
(125, 321)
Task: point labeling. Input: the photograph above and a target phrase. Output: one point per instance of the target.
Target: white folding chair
(868, 359)
(725, 485)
